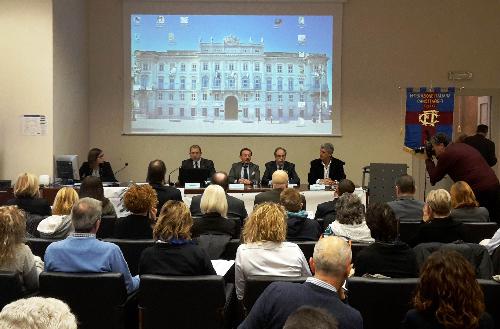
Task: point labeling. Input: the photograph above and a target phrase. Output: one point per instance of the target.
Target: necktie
(196, 164)
(245, 171)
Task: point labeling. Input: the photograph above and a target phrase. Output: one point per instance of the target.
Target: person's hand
(342, 294)
(245, 181)
(326, 181)
(152, 214)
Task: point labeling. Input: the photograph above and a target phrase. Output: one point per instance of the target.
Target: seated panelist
(97, 167)
(245, 172)
(280, 164)
(196, 161)
(327, 169)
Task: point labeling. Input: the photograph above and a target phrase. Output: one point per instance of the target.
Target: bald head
(280, 179)
(332, 257)
(220, 178)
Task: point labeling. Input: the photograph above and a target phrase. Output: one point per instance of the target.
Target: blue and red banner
(428, 111)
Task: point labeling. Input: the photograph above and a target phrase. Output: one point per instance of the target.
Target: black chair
(474, 231)
(356, 247)
(106, 228)
(382, 302)
(39, 245)
(231, 248)
(256, 284)
(98, 300)
(10, 287)
(495, 259)
(185, 302)
(132, 250)
(307, 248)
(491, 290)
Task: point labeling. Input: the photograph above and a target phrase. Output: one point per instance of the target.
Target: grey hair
(85, 213)
(349, 209)
(332, 255)
(328, 147)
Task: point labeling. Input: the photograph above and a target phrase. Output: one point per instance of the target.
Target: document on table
(221, 266)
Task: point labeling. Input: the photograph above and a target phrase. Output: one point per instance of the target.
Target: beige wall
(25, 85)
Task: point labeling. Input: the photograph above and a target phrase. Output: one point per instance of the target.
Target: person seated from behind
(307, 317)
(326, 210)
(214, 218)
(405, 206)
(350, 220)
(264, 250)
(92, 188)
(448, 295)
(465, 207)
(37, 313)
(156, 178)
(59, 226)
(82, 252)
(437, 225)
(299, 227)
(280, 182)
(386, 256)
(141, 201)
(15, 256)
(174, 253)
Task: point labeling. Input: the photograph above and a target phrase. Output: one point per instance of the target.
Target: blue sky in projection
(280, 33)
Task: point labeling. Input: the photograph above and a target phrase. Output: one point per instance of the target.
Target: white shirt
(196, 164)
(268, 258)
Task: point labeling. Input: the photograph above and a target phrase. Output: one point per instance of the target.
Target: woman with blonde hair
(14, 254)
(465, 207)
(213, 206)
(265, 251)
(141, 201)
(174, 253)
(27, 196)
(59, 225)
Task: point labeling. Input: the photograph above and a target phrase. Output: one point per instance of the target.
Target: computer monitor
(5, 184)
(66, 168)
(193, 175)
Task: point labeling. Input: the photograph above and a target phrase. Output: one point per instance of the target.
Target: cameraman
(464, 163)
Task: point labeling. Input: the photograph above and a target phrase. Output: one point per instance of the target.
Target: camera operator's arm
(437, 171)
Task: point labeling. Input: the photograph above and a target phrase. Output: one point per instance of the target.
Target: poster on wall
(33, 125)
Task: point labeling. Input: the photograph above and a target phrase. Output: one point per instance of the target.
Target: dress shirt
(321, 283)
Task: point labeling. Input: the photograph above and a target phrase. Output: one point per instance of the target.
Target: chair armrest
(230, 306)
(128, 312)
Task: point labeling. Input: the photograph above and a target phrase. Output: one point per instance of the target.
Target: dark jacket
(274, 196)
(133, 227)
(235, 207)
(443, 230)
(165, 193)
(271, 167)
(485, 146)
(204, 164)
(214, 223)
(418, 320)
(105, 172)
(327, 212)
(301, 228)
(37, 206)
(317, 170)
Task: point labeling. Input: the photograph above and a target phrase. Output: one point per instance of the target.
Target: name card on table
(188, 186)
(291, 185)
(236, 186)
(317, 187)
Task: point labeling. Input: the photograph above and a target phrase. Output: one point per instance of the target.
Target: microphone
(125, 166)
(170, 173)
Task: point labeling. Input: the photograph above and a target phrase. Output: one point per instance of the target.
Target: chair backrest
(474, 232)
(106, 228)
(356, 247)
(182, 301)
(132, 250)
(95, 298)
(491, 290)
(10, 287)
(382, 302)
(39, 245)
(231, 248)
(307, 248)
(256, 284)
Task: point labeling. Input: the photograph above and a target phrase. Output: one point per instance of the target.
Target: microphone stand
(170, 173)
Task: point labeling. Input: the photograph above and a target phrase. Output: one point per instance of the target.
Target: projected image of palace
(235, 86)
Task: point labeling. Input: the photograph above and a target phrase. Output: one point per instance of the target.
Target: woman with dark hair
(448, 295)
(92, 188)
(387, 255)
(97, 167)
(465, 207)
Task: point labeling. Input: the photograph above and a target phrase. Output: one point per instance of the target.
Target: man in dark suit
(327, 169)
(280, 182)
(326, 210)
(485, 146)
(280, 164)
(245, 172)
(196, 161)
(331, 264)
(405, 207)
(156, 178)
(235, 206)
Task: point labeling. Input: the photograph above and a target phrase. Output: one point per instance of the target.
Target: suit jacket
(407, 209)
(216, 224)
(327, 212)
(271, 167)
(165, 193)
(484, 146)
(317, 170)
(235, 207)
(274, 196)
(105, 172)
(204, 164)
(235, 173)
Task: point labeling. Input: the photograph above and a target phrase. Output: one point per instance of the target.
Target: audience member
(264, 250)
(299, 227)
(326, 210)
(82, 252)
(307, 317)
(331, 264)
(235, 206)
(59, 226)
(485, 146)
(405, 206)
(280, 182)
(214, 218)
(350, 220)
(174, 253)
(386, 256)
(97, 167)
(448, 295)
(464, 206)
(15, 256)
(437, 225)
(141, 201)
(37, 313)
(92, 188)
(326, 170)
(156, 178)
(27, 196)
